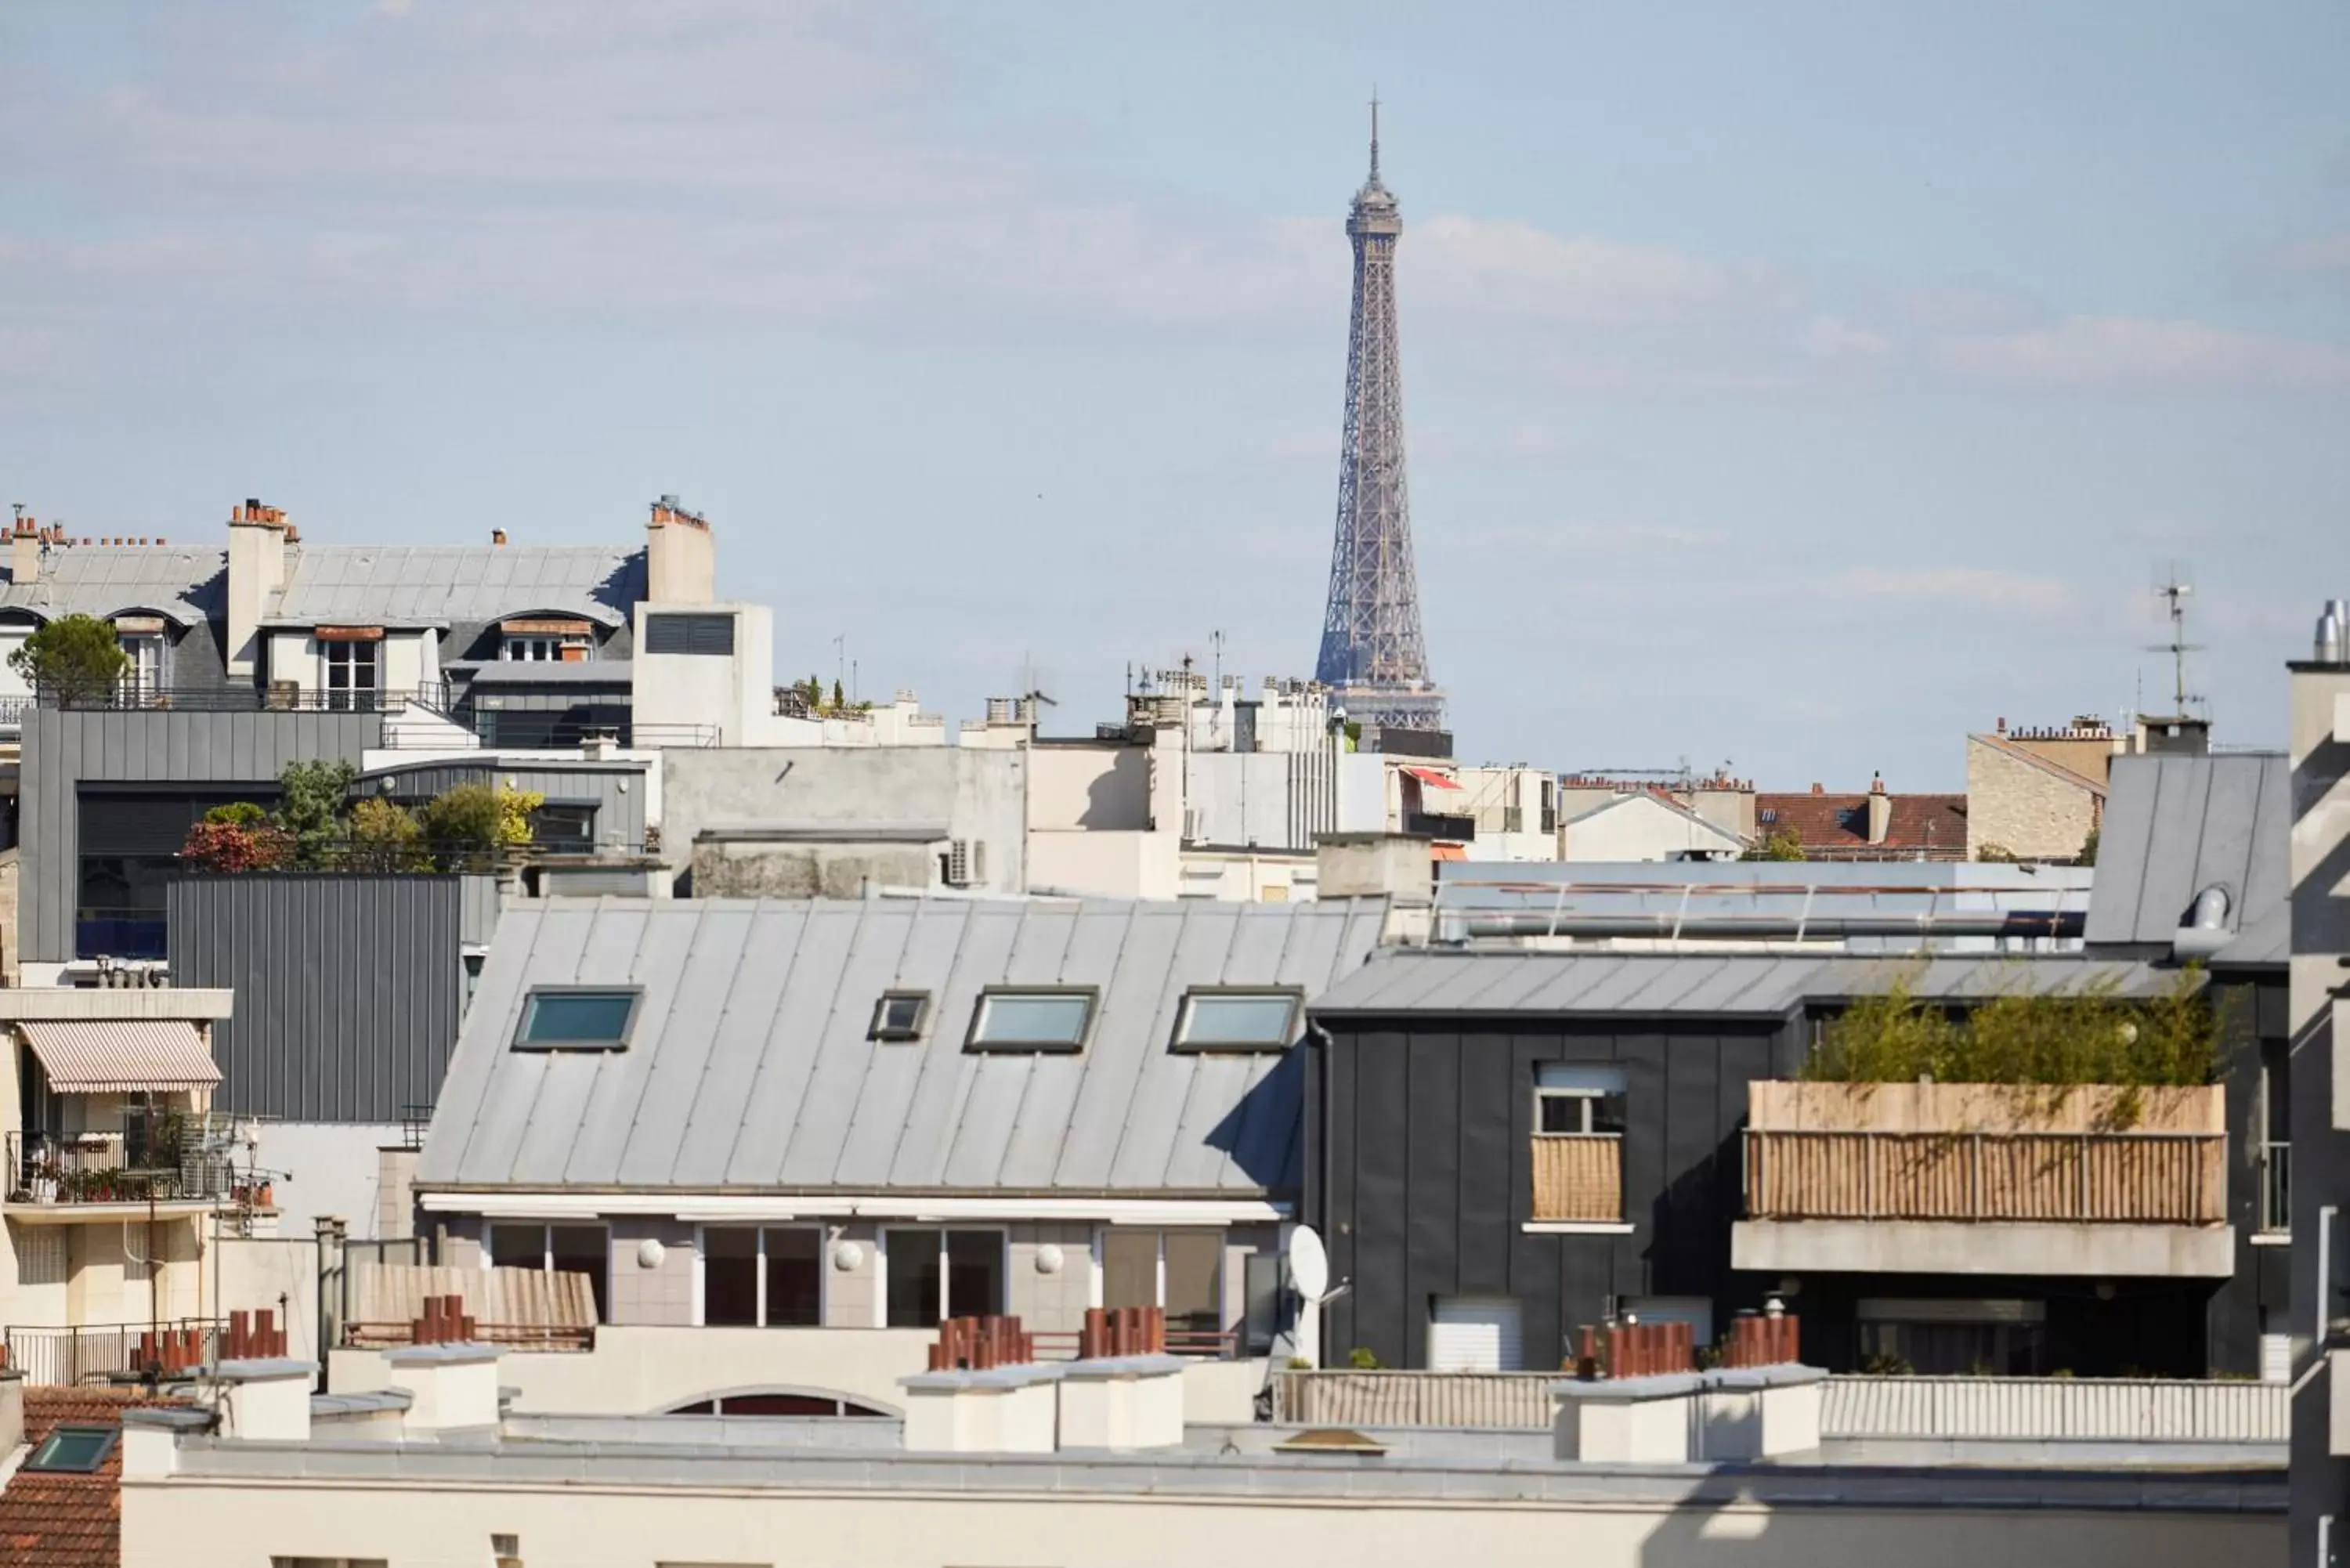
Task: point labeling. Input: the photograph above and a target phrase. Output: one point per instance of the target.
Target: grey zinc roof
(183, 586)
(749, 1068)
(444, 585)
(2176, 824)
(1763, 985)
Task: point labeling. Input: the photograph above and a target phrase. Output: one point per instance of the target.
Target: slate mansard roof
(183, 586)
(440, 585)
(749, 1066)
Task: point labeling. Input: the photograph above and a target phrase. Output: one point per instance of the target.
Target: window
(768, 1278)
(144, 676)
(1236, 1020)
(1182, 1271)
(1571, 1098)
(76, 1448)
(710, 634)
(1954, 1338)
(900, 1015)
(564, 825)
(582, 1019)
(557, 1249)
(543, 649)
(1044, 1020)
(351, 682)
(43, 1257)
(936, 1274)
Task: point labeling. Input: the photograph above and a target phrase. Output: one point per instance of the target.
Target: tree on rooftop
(313, 801)
(1784, 843)
(76, 658)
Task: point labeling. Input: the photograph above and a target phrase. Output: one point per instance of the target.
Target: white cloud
(1973, 587)
(1833, 338)
(2123, 353)
(1516, 269)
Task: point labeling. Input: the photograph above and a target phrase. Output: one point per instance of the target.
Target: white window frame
(147, 650)
(881, 1263)
(350, 661)
(702, 1276)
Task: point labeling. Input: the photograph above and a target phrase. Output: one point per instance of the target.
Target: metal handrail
(242, 699)
(2276, 1188)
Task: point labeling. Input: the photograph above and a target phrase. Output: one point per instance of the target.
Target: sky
(1793, 388)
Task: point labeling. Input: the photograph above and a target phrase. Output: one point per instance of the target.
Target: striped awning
(115, 1055)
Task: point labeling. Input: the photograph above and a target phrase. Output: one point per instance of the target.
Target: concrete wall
(733, 695)
(1266, 800)
(1640, 828)
(187, 1521)
(1106, 865)
(2027, 810)
(278, 1275)
(326, 1167)
(1104, 786)
(977, 794)
(769, 869)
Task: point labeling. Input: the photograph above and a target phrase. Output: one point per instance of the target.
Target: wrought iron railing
(168, 1159)
(279, 698)
(1203, 1344)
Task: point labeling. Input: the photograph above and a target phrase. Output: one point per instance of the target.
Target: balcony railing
(245, 699)
(12, 713)
(2276, 1188)
(1578, 1177)
(2086, 1178)
(137, 1164)
(62, 1357)
(121, 933)
(1435, 825)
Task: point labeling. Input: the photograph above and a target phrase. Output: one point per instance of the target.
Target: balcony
(172, 1162)
(64, 1356)
(1579, 1182)
(121, 933)
(1436, 824)
(1957, 1178)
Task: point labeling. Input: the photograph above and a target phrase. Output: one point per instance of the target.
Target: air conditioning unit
(1191, 825)
(959, 863)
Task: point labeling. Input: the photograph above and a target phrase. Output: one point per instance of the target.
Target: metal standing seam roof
(1491, 981)
(2176, 824)
(183, 586)
(749, 1066)
(434, 586)
(121, 1055)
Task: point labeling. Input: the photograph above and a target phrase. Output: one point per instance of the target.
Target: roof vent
(2206, 930)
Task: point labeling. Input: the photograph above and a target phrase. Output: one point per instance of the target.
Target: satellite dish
(1309, 1266)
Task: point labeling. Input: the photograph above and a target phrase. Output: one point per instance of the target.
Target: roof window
(1042, 1018)
(576, 1018)
(900, 1015)
(80, 1450)
(1219, 1019)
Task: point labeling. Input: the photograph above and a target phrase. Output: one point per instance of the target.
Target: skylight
(1236, 1020)
(900, 1015)
(75, 1448)
(576, 1019)
(1037, 1019)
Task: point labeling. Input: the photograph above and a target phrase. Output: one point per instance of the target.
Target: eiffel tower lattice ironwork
(1373, 652)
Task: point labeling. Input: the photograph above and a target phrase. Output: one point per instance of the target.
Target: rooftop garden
(318, 827)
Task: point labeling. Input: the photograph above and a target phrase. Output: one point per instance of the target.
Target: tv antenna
(2173, 591)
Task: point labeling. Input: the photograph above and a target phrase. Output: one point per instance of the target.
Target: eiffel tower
(1372, 651)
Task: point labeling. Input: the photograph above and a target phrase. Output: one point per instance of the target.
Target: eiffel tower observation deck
(1373, 654)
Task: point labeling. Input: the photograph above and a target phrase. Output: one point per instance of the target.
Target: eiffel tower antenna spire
(1373, 654)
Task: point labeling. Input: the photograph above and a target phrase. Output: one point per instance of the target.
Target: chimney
(497, 536)
(2002, 723)
(1818, 788)
(451, 1387)
(25, 552)
(257, 538)
(265, 1400)
(680, 560)
(1880, 809)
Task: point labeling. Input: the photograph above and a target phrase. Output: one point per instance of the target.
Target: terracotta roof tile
(1836, 826)
(57, 1519)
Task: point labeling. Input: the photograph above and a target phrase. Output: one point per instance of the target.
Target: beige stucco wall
(184, 1524)
(2025, 810)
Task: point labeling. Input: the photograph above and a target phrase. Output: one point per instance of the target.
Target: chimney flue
(2332, 632)
(497, 536)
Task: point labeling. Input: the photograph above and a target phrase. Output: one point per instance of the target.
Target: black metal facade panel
(64, 750)
(1418, 1150)
(349, 988)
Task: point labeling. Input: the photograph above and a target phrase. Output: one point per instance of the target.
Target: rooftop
(2175, 825)
(182, 586)
(751, 1064)
(1837, 825)
(438, 586)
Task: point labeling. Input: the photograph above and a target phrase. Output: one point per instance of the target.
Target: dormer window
(545, 640)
